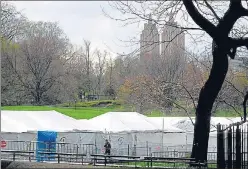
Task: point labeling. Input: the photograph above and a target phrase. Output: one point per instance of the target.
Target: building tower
(173, 47)
(149, 41)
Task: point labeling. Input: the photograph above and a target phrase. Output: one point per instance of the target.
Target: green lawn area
(78, 113)
(231, 113)
(90, 112)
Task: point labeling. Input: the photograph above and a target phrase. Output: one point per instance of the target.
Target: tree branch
(199, 19)
(239, 42)
(212, 10)
(231, 16)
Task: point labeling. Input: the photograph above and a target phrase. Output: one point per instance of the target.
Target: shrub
(95, 103)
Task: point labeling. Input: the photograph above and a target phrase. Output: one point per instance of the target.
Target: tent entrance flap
(46, 145)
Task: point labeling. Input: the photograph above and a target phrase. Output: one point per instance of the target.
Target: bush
(95, 103)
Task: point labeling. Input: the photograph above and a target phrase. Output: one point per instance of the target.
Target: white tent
(123, 129)
(24, 121)
(185, 123)
(167, 120)
(132, 129)
(168, 123)
(21, 126)
(85, 125)
(128, 122)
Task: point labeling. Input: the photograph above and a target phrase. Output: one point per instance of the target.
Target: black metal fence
(19, 149)
(232, 146)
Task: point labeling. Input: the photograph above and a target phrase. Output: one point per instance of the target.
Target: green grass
(163, 164)
(227, 113)
(157, 164)
(90, 112)
(218, 113)
(78, 113)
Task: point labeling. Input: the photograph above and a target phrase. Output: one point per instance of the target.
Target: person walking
(107, 147)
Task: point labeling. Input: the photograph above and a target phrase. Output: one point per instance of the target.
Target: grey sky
(85, 20)
(81, 20)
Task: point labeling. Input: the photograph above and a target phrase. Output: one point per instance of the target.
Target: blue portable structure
(46, 142)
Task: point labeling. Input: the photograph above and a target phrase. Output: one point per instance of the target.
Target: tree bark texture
(206, 100)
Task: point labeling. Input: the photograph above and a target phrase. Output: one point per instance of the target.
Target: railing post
(105, 160)
(128, 149)
(128, 152)
(151, 162)
(94, 160)
(229, 149)
(58, 158)
(14, 156)
(246, 145)
(238, 148)
(77, 152)
(146, 148)
(220, 148)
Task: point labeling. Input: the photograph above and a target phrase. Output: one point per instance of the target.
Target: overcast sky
(82, 20)
(85, 20)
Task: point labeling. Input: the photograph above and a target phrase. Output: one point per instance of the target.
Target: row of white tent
(113, 122)
(123, 129)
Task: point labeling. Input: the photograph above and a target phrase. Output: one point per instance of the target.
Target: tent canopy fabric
(127, 121)
(184, 123)
(23, 121)
(85, 125)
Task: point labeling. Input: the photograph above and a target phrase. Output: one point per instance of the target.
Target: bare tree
(87, 45)
(109, 89)
(100, 68)
(40, 66)
(13, 24)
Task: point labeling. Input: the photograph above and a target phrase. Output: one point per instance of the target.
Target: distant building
(172, 40)
(173, 48)
(149, 41)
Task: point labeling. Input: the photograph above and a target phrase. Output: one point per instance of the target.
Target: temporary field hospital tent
(122, 121)
(21, 127)
(24, 121)
(134, 130)
(185, 123)
(128, 132)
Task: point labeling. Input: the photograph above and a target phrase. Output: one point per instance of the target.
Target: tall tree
(40, 62)
(225, 41)
(100, 69)
(13, 24)
(223, 46)
(87, 46)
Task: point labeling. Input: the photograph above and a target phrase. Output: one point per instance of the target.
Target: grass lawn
(78, 113)
(90, 112)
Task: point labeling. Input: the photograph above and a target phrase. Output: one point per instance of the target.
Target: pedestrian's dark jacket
(107, 146)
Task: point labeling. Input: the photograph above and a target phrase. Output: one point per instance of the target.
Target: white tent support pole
(163, 135)
(186, 141)
(95, 144)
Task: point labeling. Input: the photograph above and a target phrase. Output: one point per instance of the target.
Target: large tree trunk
(207, 97)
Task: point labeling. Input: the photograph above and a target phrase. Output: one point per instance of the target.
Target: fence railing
(70, 152)
(58, 147)
(232, 146)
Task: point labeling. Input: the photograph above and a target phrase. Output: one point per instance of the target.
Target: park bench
(60, 155)
(20, 153)
(113, 159)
